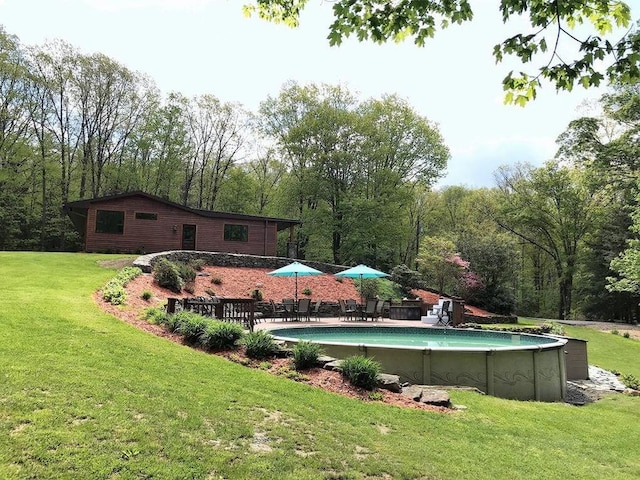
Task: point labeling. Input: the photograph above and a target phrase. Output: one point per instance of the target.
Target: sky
(208, 46)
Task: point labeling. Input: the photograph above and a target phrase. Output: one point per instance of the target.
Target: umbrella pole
(296, 292)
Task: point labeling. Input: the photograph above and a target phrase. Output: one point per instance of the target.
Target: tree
(490, 282)
(355, 167)
(553, 208)
(439, 262)
(552, 22)
(606, 148)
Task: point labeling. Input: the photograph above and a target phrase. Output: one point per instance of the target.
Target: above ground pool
(503, 364)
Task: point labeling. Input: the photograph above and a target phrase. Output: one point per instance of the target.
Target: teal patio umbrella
(361, 271)
(295, 269)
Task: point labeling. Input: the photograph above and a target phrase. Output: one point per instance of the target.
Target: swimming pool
(503, 364)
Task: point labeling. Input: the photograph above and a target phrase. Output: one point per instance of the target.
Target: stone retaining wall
(219, 259)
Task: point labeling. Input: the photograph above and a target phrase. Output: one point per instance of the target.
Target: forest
(557, 241)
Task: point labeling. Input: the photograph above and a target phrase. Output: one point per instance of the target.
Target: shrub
(175, 321)
(197, 264)
(186, 271)
(221, 335)
(305, 355)
(146, 295)
(306, 291)
(257, 295)
(376, 396)
(210, 292)
(114, 292)
(190, 287)
(626, 335)
(191, 327)
(260, 345)
(369, 288)
(155, 316)
(615, 331)
(630, 381)
(216, 280)
(361, 371)
(406, 277)
(167, 275)
(553, 327)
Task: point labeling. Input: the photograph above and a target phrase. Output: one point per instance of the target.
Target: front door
(188, 237)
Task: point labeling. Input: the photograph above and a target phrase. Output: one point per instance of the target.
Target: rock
(438, 398)
(389, 382)
(335, 366)
(324, 359)
(413, 391)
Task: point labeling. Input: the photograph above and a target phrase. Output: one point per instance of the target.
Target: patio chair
(315, 311)
(444, 316)
(276, 311)
(347, 311)
(289, 307)
(380, 309)
(304, 309)
(370, 309)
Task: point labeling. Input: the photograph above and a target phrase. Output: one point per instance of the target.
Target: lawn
(85, 395)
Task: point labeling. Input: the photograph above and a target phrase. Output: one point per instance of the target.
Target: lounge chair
(444, 316)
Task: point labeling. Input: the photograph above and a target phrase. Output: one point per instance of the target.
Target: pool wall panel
(530, 373)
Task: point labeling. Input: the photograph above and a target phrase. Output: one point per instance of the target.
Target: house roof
(282, 223)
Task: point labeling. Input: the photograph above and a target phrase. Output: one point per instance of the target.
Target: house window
(109, 221)
(236, 233)
(146, 216)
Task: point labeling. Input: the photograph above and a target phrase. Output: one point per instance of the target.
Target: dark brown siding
(159, 235)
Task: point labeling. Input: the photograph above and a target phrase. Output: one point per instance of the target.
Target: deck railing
(238, 310)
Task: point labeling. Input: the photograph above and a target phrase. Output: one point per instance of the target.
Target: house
(138, 222)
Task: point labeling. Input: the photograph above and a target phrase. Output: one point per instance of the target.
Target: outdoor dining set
(304, 309)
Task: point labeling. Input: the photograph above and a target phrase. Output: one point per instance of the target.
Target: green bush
(146, 295)
(305, 355)
(221, 335)
(306, 291)
(216, 280)
(191, 326)
(630, 381)
(369, 288)
(114, 291)
(260, 345)
(187, 272)
(361, 371)
(155, 316)
(197, 264)
(175, 321)
(167, 275)
(553, 327)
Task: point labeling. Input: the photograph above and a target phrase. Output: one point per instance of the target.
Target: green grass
(85, 395)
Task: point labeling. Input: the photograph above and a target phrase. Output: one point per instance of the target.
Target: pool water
(413, 337)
